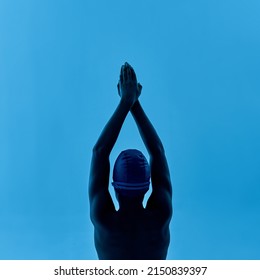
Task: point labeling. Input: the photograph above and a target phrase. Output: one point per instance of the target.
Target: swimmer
(132, 232)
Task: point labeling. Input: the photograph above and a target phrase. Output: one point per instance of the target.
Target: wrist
(135, 106)
(126, 102)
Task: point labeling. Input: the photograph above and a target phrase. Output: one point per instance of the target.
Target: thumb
(118, 89)
(139, 87)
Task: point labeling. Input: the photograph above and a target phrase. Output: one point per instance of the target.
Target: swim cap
(131, 174)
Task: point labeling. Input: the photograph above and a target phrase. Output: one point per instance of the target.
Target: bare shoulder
(160, 203)
(102, 208)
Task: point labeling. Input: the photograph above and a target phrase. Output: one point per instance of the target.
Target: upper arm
(161, 196)
(101, 202)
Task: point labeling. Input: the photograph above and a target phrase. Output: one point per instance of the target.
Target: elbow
(99, 150)
(161, 149)
(157, 150)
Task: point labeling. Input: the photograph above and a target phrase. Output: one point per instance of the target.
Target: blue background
(199, 64)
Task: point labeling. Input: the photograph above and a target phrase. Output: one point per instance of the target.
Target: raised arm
(100, 199)
(160, 175)
(159, 167)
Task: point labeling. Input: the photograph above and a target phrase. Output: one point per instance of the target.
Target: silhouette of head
(131, 174)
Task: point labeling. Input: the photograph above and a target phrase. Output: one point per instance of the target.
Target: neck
(131, 204)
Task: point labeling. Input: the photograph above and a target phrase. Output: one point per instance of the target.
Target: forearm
(146, 129)
(109, 135)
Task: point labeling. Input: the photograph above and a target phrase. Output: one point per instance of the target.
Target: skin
(132, 232)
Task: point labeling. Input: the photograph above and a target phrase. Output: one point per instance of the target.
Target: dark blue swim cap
(131, 174)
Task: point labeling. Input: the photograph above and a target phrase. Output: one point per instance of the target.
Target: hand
(128, 88)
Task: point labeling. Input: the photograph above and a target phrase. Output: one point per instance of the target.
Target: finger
(129, 70)
(129, 73)
(133, 75)
(125, 73)
(118, 88)
(128, 65)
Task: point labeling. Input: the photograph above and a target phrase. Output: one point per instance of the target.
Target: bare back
(143, 234)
